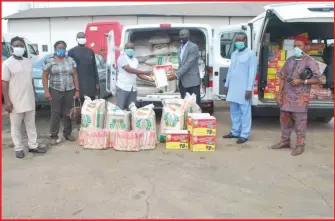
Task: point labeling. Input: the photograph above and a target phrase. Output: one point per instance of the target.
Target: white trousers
(16, 123)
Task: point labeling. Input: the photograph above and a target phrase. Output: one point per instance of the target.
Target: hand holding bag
(75, 112)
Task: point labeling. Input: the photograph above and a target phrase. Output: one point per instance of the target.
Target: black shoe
(19, 154)
(38, 150)
(70, 138)
(241, 140)
(229, 136)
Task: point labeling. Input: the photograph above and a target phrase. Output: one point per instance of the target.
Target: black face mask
(183, 40)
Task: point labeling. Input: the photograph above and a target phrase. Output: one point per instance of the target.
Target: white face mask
(18, 51)
(81, 41)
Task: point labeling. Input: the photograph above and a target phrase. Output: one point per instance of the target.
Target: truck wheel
(325, 120)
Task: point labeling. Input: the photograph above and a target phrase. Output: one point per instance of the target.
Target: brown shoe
(298, 150)
(280, 146)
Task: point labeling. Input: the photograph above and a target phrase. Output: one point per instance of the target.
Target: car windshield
(39, 63)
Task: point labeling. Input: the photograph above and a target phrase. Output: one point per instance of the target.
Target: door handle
(216, 73)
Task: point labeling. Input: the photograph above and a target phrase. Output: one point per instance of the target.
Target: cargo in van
(277, 46)
(159, 45)
(266, 36)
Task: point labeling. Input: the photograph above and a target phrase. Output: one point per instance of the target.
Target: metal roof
(196, 9)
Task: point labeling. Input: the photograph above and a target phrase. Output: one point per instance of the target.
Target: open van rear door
(223, 47)
(111, 74)
(303, 12)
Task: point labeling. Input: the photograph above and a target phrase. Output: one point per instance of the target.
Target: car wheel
(325, 120)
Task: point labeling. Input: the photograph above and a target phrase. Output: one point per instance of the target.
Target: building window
(227, 44)
(44, 48)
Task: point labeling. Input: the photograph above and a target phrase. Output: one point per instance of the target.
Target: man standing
(238, 87)
(126, 92)
(188, 74)
(86, 67)
(19, 95)
(293, 96)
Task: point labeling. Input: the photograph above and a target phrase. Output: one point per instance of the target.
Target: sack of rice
(144, 67)
(175, 46)
(128, 141)
(172, 117)
(143, 51)
(143, 118)
(116, 120)
(160, 49)
(148, 141)
(157, 60)
(143, 42)
(161, 38)
(93, 113)
(190, 104)
(83, 133)
(96, 139)
(174, 61)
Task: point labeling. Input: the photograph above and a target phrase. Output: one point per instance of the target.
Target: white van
(279, 20)
(30, 53)
(147, 93)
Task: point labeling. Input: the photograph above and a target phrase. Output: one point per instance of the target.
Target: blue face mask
(60, 52)
(239, 45)
(130, 52)
(298, 52)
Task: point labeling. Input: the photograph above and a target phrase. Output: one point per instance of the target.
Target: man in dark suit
(188, 74)
(86, 66)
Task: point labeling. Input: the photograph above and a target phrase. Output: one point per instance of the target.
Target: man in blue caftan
(239, 86)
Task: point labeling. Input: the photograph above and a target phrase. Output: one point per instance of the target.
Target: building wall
(48, 31)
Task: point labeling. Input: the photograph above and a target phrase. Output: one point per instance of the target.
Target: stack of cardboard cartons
(199, 136)
(177, 139)
(202, 133)
(276, 61)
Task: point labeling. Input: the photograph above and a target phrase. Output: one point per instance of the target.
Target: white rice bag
(144, 67)
(173, 116)
(161, 49)
(161, 38)
(93, 113)
(143, 51)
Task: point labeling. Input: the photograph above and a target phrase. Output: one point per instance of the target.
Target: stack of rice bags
(157, 50)
(175, 113)
(92, 134)
(143, 133)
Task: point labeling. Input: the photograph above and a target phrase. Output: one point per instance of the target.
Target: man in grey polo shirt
(126, 92)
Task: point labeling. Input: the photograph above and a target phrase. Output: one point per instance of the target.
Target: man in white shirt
(19, 95)
(126, 92)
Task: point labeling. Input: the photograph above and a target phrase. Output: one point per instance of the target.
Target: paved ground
(235, 181)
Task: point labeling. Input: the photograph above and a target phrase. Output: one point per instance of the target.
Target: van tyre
(325, 120)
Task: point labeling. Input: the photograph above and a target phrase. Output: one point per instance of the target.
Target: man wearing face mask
(126, 92)
(293, 96)
(188, 74)
(238, 87)
(88, 75)
(20, 98)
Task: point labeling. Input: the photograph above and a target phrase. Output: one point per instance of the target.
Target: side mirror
(37, 52)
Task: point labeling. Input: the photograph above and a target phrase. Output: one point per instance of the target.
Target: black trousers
(61, 104)
(191, 90)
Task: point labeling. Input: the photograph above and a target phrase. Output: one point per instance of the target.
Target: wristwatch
(306, 81)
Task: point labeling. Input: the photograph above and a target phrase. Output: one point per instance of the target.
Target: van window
(44, 48)
(227, 44)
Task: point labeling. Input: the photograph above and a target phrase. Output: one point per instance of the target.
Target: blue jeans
(241, 119)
